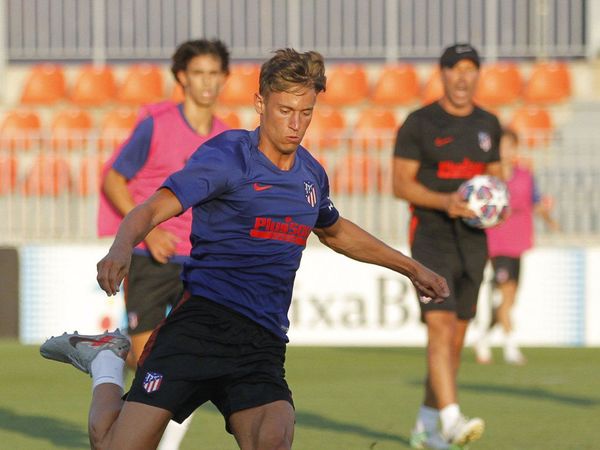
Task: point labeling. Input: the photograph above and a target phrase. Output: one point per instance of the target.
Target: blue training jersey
(250, 224)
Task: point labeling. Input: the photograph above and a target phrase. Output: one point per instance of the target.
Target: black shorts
(506, 268)
(458, 253)
(204, 351)
(150, 288)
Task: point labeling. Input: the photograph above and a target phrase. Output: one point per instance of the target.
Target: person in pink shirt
(161, 143)
(508, 241)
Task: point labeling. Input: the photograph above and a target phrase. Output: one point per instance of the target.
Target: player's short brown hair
(190, 49)
(290, 70)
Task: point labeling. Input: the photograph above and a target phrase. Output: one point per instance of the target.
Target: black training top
(451, 149)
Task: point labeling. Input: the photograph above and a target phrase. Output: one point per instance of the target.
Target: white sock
(427, 419)
(509, 342)
(107, 368)
(449, 415)
(174, 434)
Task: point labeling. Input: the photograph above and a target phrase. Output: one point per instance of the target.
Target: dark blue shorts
(204, 351)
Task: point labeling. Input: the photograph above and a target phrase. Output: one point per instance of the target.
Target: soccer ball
(488, 197)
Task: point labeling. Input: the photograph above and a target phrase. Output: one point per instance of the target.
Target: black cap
(456, 52)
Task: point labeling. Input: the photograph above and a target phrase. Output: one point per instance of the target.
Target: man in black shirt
(437, 148)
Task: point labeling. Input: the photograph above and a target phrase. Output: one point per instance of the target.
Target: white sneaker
(514, 356)
(426, 440)
(80, 350)
(465, 430)
(483, 352)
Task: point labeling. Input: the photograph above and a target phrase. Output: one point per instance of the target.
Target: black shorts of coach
(151, 288)
(204, 351)
(459, 254)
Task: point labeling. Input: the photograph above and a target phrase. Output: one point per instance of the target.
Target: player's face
(284, 118)
(203, 79)
(460, 82)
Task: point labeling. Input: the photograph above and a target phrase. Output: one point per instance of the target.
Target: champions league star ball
(488, 197)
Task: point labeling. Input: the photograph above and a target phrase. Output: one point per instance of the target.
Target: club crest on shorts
(132, 318)
(485, 141)
(152, 382)
(311, 193)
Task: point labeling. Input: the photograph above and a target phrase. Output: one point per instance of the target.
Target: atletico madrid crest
(311, 193)
(152, 382)
(485, 141)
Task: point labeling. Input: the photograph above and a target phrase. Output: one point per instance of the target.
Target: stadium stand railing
(107, 30)
(51, 194)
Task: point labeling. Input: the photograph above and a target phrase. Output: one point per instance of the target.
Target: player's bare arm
(407, 187)
(161, 206)
(161, 243)
(350, 240)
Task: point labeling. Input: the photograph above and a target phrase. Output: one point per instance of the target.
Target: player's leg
(137, 427)
(266, 427)
(150, 289)
(440, 318)
(138, 342)
(103, 357)
(252, 394)
(512, 353)
(441, 329)
(508, 290)
(456, 428)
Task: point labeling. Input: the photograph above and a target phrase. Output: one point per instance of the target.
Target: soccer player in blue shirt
(255, 197)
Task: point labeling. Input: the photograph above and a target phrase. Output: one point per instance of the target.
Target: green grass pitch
(346, 399)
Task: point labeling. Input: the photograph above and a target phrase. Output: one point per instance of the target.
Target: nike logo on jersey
(261, 187)
(441, 141)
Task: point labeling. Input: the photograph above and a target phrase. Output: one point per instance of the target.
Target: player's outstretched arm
(162, 205)
(350, 240)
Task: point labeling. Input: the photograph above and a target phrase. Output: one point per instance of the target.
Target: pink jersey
(172, 143)
(515, 235)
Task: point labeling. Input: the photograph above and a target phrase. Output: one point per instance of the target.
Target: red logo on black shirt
(288, 230)
(463, 170)
(441, 141)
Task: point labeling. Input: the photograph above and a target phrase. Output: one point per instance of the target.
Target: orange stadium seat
(549, 82)
(433, 89)
(48, 176)
(143, 84)
(347, 84)
(70, 129)
(375, 129)
(499, 84)
(45, 85)
(357, 174)
(241, 85)
(116, 126)
(230, 117)
(325, 130)
(94, 86)
(20, 130)
(397, 85)
(8, 173)
(177, 93)
(533, 124)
